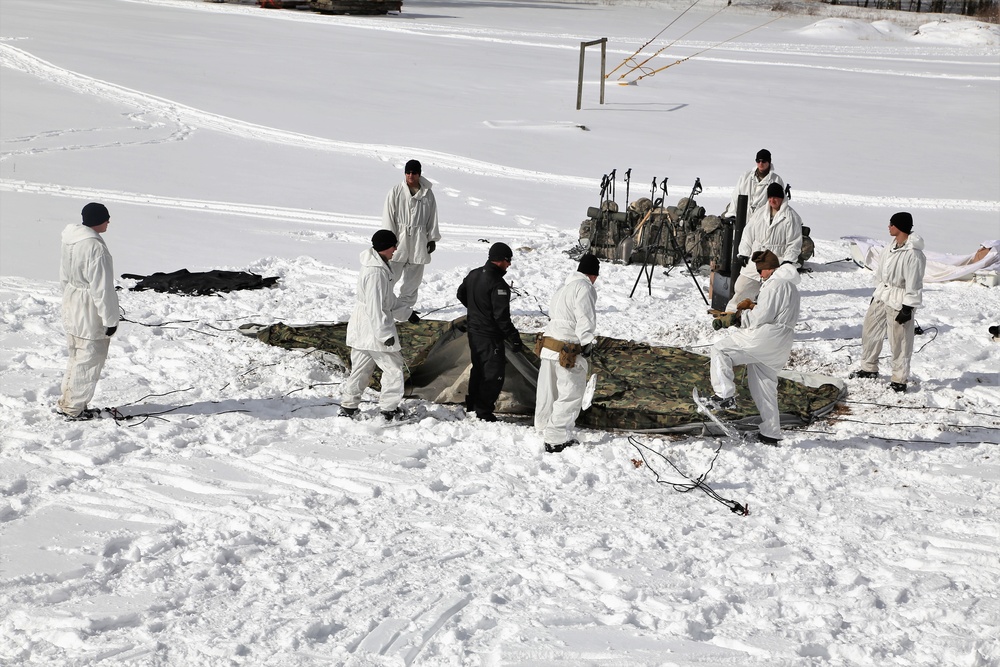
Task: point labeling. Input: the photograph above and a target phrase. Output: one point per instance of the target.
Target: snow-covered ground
(248, 525)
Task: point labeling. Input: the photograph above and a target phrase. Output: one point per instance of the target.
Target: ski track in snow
(186, 118)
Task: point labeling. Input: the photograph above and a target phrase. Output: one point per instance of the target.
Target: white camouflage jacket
(414, 221)
(572, 313)
(766, 331)
(374, 318)
(782, 236)
(754, 189)
(899, 277)
(87, 276)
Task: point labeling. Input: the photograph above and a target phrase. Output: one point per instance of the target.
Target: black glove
(110, 331)
(905, 315)
(588, 349)
(431, 246)
(517, 346)
(413, 318)
(744, 260)
(390, 342)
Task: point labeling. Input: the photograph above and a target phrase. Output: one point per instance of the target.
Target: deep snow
(248, 525)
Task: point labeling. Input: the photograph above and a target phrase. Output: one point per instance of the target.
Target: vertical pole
(604, 58)
(579, 83)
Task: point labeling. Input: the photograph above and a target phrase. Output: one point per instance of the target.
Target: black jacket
(486, 295)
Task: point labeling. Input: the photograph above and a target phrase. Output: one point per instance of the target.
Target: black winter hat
(589, 265)
(412, 167)
(764, 154)
(902, 221)
(383, 240)
(95, 214)
(775, 190)
(501, 252)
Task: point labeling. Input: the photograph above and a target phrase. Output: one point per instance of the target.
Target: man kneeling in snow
(371, 331)
(89, 308)
(763, 344)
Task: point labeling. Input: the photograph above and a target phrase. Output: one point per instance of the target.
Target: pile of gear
(649, 232)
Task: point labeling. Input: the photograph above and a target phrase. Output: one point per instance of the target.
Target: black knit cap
(95, 214)
(383, 240)
(412, 167)
(764, 154)
(775, 190)
(589, 265)
(902, 221)
(501, 252)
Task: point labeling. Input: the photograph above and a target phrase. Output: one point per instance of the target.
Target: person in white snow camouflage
(763, 343)
(89, 308)
(775, 227)
(564, 348)
(899, 283)
(754, 184)
(371, 331)
(410, 213)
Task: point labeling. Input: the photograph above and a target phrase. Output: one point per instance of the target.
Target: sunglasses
(762, 161)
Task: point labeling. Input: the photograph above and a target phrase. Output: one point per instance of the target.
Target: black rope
(695, 483)
(519, 292)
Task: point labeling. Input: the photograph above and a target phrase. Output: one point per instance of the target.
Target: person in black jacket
(486, 295)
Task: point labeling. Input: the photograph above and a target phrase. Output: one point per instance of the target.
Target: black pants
(489, 364)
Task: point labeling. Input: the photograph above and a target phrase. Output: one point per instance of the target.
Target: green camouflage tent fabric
(416, 340)
(640, 386)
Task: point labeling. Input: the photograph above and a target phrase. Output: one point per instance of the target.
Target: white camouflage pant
(559, 398)
(363, 362)
(743, 288)
(879, 319)
(83, 370)
(409, 276)
(763, 382)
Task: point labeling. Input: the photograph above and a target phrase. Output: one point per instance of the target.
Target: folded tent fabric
(941, 267)
(631, 393)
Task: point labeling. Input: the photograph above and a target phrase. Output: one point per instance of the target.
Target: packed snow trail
(20, 60)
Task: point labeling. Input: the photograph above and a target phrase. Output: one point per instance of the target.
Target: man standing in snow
(754, 184)
(486, 295)
(89, 309)
(410, 213)
(775, 227)
(763, 344)
(564, 347)
(899, 283)
(371, 332)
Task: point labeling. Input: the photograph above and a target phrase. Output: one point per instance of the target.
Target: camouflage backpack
(808, 246)
(604, 231)
(704, 242)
